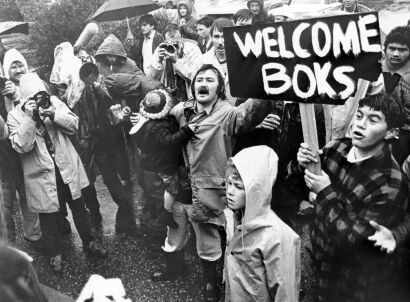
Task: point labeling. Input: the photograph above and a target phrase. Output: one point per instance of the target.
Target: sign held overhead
(309, 61)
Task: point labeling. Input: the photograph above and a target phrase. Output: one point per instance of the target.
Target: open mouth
(203, 91)
(357, 135)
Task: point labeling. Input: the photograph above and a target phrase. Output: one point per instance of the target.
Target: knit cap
(156, 104)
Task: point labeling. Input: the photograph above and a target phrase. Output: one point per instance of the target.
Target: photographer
(173, 62)
(53, 173)
(15, 66)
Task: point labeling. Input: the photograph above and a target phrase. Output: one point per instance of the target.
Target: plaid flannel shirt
(349, 267)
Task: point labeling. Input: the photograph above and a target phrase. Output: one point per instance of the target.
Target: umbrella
(13, 27)
(115, 10)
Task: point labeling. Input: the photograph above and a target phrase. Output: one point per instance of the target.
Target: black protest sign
(311, 61)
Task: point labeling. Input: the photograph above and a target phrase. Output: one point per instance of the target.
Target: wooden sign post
(308, 119)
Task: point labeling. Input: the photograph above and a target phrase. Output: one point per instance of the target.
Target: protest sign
(308, 61)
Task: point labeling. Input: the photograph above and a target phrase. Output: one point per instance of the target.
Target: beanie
(156, 104)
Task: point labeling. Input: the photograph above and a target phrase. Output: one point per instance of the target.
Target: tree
(56, 23)
(9, 11)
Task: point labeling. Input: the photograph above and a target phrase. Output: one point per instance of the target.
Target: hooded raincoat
(11, 56)
(38, 165)
(206, 154)
(113, 46)
(263, 256)
(189, 29)
(66, 70)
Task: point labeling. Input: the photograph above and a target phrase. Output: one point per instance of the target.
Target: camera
(169, 47)
(42, 99)
(3, 81)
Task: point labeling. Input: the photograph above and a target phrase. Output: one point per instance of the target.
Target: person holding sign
(360, 183)
(214, 122)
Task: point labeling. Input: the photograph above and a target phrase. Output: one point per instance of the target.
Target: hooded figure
(112, 46)
(10, 57)
(261, 16)
(66, 72)
(263, 257)
(187, 28)
(38, 165)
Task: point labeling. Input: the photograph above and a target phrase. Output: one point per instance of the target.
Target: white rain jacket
(38, 165)
(263, 256)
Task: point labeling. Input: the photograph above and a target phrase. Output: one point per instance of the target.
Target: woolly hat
(11, 56)
(260, 2)
(156, 104)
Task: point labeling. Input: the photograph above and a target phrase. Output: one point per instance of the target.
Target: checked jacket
(349, 267)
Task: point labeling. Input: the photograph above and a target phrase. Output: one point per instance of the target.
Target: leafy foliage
(59, 22)
(9, 11)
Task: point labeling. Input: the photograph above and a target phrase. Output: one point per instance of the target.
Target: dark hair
(206, 21)
(389, 105)
(149, 19)
(245, 14)
(220, 23)
(400, 35)
(221, 83)
(171, 28)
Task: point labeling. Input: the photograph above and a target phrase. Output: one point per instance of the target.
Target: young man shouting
(361, 182)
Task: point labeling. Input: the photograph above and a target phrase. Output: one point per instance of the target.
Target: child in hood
(263, 256)
(160, 141)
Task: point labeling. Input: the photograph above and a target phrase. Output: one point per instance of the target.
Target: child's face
(235, 192)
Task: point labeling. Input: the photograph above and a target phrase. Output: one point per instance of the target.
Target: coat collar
(402, 71)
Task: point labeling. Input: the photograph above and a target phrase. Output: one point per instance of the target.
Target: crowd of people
(236, 170)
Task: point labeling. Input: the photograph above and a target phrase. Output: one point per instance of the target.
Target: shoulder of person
(338, 145)
(178, 109)
(190, 44)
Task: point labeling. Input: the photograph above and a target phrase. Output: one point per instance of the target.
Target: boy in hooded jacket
(263, 256)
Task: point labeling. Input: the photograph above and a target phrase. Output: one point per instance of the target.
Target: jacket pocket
(209, 198)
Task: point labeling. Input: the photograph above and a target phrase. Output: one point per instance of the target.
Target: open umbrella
(115, 10)
(13, 27)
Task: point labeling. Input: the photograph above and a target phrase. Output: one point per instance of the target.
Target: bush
(59, 22)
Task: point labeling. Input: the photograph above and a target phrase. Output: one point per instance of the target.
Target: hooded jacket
(189, 29)
(66, 70)
(262, 16)
(9, 159)
(38, 165)
(206, 153)
(113, 46)
(10, 57)
(263, 256)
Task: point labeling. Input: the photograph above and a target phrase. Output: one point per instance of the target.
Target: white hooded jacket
(263, 257)
(10, 57)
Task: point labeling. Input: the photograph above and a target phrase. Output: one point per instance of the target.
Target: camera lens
(170, 49)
